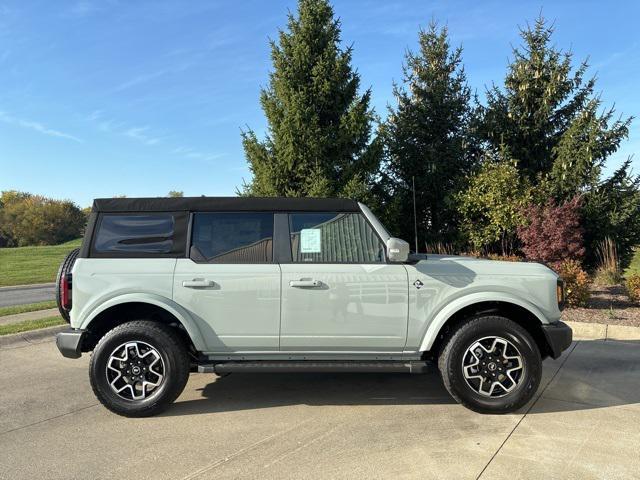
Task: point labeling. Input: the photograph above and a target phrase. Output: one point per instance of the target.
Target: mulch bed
(608, 305)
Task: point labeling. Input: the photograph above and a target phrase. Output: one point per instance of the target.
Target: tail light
(560, 293)
(65, 291)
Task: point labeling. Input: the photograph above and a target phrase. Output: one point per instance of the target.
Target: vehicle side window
(135, 234)
(243, 237)
(334, 238)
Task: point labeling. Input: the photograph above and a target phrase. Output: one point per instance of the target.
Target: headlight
(560, 293)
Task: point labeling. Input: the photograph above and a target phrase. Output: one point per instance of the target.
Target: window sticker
(310, 241)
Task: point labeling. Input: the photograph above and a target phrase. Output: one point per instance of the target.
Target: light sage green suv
(165, 286)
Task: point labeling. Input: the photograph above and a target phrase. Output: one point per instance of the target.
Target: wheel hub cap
(492, 367)
(135, 370)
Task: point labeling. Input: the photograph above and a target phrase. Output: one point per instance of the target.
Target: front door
(338, 293)
(230, 285)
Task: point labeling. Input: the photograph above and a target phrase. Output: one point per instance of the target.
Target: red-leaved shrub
(552, 233)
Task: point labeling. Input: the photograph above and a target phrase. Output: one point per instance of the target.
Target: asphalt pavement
(583, 424)
(23, 294)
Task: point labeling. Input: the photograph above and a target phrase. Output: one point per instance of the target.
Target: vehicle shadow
(247, 391)
(596, 374)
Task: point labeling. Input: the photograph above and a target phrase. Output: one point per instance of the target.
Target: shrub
(576, 280)
(440, 248)
(632, 284)
(553, 233)
(504, 258)
(492, 206)
(608, 270)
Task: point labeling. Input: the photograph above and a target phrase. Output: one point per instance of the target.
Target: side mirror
(397, 250)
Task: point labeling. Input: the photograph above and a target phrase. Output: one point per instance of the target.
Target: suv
(165, 286)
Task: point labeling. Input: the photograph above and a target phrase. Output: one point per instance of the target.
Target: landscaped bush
(504, 258)
(632, 285)
(576, 280)
(552, 233)
(608, 270)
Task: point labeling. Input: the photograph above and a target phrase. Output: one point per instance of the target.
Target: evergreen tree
(612, 210)
(426, 138)
(547, 116)
(318, 140)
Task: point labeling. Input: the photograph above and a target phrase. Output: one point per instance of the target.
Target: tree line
(518, 170)
(27, 219)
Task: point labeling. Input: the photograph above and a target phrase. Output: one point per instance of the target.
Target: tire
(63, 270)
(472, 391)
(166, 354)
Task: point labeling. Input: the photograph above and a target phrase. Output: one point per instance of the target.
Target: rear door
(230, 284)
(338, 292)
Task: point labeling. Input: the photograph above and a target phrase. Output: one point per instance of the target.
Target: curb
(31, 286)
(601, 331)
(26, 316)
(31, 337)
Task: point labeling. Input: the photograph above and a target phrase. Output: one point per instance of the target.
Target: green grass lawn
(30, 325)
(26, 265)
(634, 267)
(30, 307)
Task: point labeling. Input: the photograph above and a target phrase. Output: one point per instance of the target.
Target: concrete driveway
(23, 294)
(585, 424)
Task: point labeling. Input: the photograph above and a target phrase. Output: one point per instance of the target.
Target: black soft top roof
(225, 204)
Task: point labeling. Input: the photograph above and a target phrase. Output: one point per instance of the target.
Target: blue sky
(101, 98)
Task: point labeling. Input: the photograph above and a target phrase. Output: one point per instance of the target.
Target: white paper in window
(310, 241)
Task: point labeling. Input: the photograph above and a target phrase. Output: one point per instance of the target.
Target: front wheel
(139, 368)
(491, 364)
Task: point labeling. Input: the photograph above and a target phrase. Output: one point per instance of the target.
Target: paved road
(27, 294)
(583, 425)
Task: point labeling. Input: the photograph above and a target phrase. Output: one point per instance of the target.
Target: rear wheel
(491, 364)
(139, 368)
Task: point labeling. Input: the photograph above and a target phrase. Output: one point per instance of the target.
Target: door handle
(306, 283)
(198, 283)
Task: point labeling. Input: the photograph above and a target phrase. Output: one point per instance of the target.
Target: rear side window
(334, 238)
(136, 234)
(243, 237)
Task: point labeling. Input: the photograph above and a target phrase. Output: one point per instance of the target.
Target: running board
(315, 366)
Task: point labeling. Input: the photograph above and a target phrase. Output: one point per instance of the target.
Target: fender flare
(443, 316)
(170, 306)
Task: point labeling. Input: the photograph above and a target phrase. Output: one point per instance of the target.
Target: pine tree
(547, 116)
(319, 126)
(554, 126)
(426, 137)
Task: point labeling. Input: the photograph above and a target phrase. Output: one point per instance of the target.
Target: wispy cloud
(144, 134)
(141, 134)
(140, 79)
(86, 8)
(95, 115)
(36, 126)
(617, 56)
(192, 154)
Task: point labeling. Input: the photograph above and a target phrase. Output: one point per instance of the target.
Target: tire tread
(181, 373)
(447, 374)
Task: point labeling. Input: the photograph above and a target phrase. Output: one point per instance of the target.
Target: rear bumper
(69, 342)
(559, 336)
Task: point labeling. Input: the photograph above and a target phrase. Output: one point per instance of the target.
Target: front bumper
(559, 336)
(69, 342)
